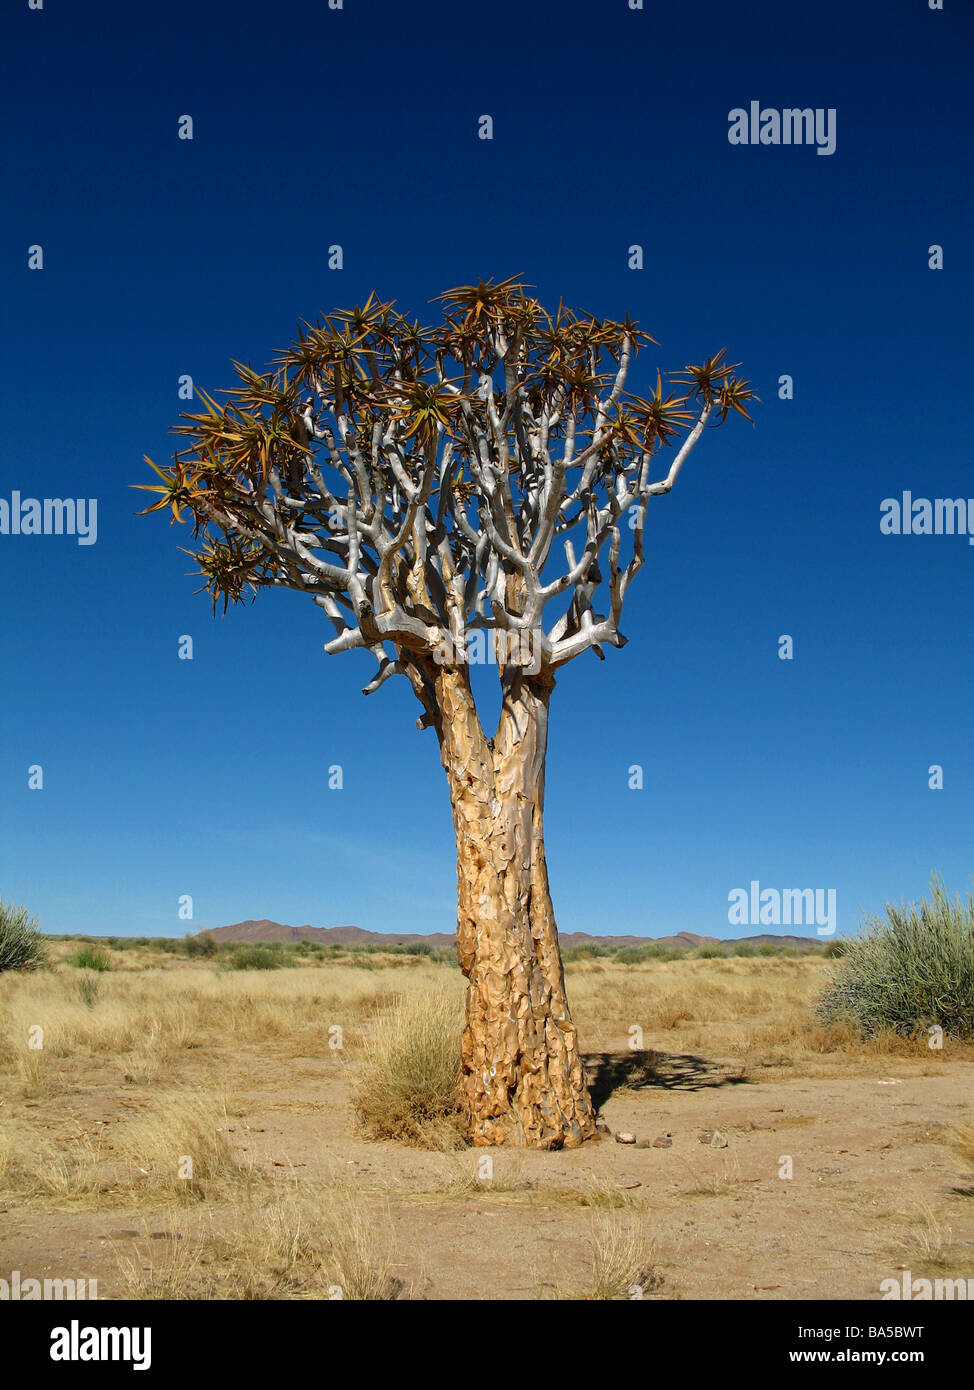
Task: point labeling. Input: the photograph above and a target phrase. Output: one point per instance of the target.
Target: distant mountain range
(265, 930)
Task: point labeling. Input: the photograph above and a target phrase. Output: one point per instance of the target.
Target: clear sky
(359, 127)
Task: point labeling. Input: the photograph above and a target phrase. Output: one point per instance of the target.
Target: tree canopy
(422, 482)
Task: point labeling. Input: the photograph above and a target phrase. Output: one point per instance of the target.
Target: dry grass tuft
(927, 1240)
(409, 1085)
(162, 1266)
(622, 1261)
(32, 1166)
(720, 1183)
(323, 1242)
(179, 1142)
(961, 1141)
(604, 1193)
(488, 1173)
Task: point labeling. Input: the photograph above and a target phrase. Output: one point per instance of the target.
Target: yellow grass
(927, 1240)
(621, 1261)
(32, 1165)
(145, 1019)
(962, 1142)
(178, 1143)
(124, 1104)
(408, 1086)
(323, 1242)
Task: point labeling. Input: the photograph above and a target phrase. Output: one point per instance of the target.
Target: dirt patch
(809, 1173)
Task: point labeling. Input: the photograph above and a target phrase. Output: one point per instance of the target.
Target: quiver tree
(441, 492)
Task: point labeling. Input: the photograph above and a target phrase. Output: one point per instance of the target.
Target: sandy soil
(874, 1188)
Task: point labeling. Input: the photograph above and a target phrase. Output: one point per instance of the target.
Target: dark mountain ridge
(265, 930)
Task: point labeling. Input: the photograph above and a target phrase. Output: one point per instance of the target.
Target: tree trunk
(522, 1075)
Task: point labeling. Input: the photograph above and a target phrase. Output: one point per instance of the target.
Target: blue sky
(359, 127)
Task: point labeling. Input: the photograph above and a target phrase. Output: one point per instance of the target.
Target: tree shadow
(608, 1072)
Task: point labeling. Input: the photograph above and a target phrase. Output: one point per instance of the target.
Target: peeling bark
(522, 1074)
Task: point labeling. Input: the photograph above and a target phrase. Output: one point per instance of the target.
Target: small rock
(624, 1138)
(714, 1138)
(663, 1141)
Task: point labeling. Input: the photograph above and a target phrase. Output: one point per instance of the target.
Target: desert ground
(773, 1158)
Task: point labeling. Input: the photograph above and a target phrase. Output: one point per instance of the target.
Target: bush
(409, 1086)
(254, 958)
(590, 951)
(21, 947)
(746, 950)
(911, 970)
(162, 944)
(91, 958)
(203, 944)
(639, 955)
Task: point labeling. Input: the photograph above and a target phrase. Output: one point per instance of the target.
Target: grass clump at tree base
(409, 1086)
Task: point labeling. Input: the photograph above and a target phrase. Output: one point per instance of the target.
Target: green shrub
(640, 955)
(249, 957)
(589, 951)
(630, 955)
(913, 969)
(745, 949)
(91, 958)
(203, 944)
(21, 947)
